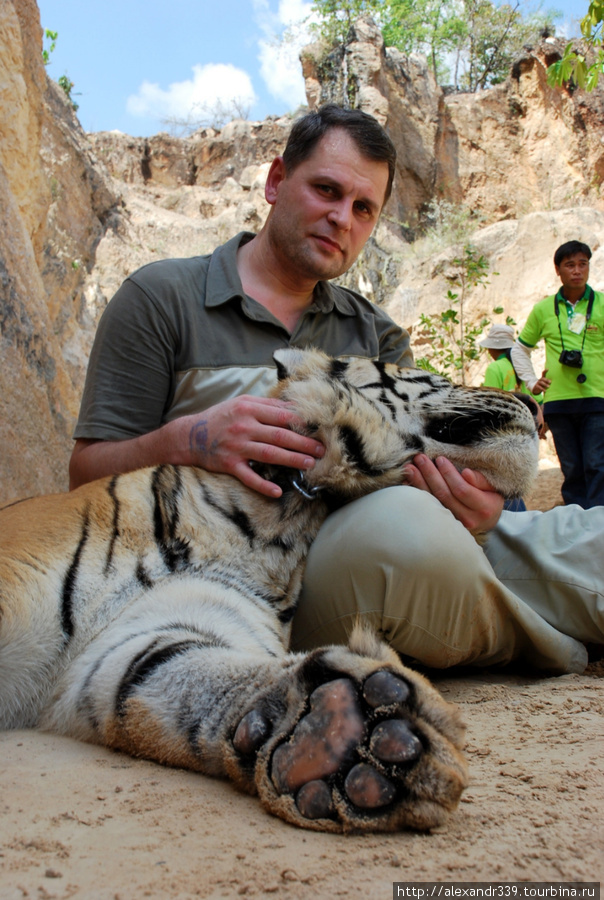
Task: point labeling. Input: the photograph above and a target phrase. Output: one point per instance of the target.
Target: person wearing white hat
(501, 372)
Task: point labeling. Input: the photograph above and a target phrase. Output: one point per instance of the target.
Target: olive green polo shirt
(180, 336)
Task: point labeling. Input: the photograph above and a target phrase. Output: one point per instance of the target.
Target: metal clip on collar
(307, 493)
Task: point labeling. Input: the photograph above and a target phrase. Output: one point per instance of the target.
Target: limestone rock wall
(34, 394)
(54, 205)
(206, 159)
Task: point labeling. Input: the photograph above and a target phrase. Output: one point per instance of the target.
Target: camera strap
(508, 356)
(590, 306)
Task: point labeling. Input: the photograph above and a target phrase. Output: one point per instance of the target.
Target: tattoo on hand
(198, 439)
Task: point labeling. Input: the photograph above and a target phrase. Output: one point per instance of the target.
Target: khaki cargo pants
(400, 561)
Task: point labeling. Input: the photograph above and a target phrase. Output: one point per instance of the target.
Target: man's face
(573, 271)
(325, 209)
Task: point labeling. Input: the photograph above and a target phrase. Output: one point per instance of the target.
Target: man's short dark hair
(569, 249)
(365, 131)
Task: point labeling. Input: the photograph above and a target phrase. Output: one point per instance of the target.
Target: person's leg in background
(592, 445)
(566, 432)
(515, 505)
(554, 561)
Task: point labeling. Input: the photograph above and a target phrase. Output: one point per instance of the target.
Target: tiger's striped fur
(150, 612)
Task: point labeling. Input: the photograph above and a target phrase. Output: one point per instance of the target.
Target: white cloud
(211, 84)
(278, 54)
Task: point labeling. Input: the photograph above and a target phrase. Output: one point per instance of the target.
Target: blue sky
(138, 64)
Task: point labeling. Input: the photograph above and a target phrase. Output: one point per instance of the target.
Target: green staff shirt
(565, 394)
(500, 374)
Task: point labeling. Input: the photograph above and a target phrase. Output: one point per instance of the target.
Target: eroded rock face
(205, 159)
(79, 212)
(55, 203)
(504, 152)
(35, 396)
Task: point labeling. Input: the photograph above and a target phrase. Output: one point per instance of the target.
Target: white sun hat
(500, 337)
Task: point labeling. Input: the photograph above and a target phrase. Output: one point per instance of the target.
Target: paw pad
(251, 733)
(314, 800)
(384, 689)
(368, 788)
(342, 746)
(321, 741)
(394, 742)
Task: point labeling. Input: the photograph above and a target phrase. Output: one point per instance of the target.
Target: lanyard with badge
(576, 323)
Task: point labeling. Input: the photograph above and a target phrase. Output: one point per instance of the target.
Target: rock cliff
(79, 212)
(502, 152)
(54, 204)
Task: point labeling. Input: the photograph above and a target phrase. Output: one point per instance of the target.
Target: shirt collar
(224, 283)
(569, 306)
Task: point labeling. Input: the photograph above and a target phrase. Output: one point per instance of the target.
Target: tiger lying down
(150, 612)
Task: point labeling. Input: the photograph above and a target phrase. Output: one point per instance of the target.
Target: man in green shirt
(571, 323)
(179, 372)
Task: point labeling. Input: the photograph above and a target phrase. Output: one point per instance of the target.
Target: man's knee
(395, 558)
(398, 527)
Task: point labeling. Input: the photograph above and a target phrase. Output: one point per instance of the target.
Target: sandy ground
(81, 821)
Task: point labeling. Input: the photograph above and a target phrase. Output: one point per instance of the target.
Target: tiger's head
(374, 417)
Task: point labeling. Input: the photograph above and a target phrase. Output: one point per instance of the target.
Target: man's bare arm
(224, 438)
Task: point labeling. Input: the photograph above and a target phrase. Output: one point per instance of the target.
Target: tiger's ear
(294, 362)
(281, 358)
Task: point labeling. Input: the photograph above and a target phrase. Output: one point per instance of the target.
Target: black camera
(572, 358)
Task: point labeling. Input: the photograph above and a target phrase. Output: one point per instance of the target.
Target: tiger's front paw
(370, 754)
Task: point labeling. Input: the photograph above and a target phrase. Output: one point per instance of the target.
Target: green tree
(574, 66)
(487, 36)
(336, 16)
(453, 341)
(480, 36)
(489, 43)
(426, 26)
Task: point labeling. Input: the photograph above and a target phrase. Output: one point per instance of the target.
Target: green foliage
(453, 341)
(431, 27)
(490, 38)
(574, 67)
(479, 38)
(67, 84)
(52, 37)
(336, 17)
(64, 81)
